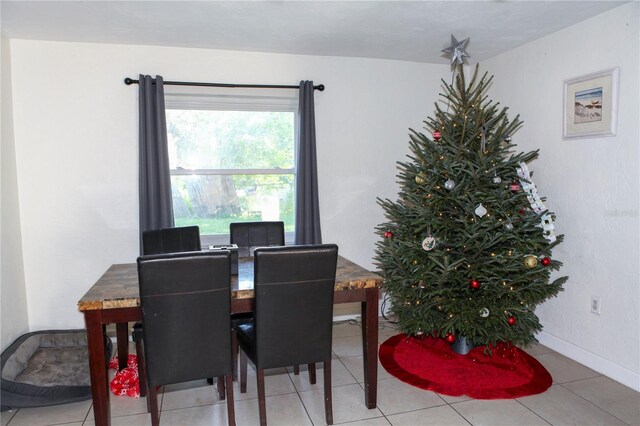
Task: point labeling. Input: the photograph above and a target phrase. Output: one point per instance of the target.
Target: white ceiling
(405, 30)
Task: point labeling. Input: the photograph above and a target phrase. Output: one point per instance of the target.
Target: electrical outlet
(595, 304)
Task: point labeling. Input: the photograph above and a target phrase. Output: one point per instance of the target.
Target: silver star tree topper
(457, 50)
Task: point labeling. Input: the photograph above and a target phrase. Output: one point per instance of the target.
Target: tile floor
(579, 396)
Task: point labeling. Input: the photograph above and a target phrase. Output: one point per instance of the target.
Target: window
(232, 159)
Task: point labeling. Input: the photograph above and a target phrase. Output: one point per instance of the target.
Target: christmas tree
(466, 248)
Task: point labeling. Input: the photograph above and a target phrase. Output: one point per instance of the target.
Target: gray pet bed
(46, 368)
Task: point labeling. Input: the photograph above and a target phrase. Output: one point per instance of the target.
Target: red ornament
(436, 135)
(514, 187)
(475, 284)
(450, 338)
(511, 320)
(545, 261)
(388, 234)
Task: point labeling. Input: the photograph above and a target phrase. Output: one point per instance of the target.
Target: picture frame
(591, 105)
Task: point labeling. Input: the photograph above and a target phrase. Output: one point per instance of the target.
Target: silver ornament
(457, 50)
(484, 312)
(507, 139)
(496, 179)
(449, 184)
(480, 210)
(508, 226)
(428, 243)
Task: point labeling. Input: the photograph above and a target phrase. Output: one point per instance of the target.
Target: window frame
(272, 100)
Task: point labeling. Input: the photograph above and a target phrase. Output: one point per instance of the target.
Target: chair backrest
(250, 235)
(186, 310)
(293, 289)
(171, 240)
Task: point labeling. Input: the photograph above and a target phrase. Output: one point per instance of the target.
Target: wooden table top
(118, 286)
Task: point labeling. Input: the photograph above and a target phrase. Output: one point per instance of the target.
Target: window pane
(214, 201)
(204, 139)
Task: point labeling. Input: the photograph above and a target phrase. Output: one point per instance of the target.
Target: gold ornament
(530, 261)
(420, 178)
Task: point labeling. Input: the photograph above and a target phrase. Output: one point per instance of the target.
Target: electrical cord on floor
(383, 307)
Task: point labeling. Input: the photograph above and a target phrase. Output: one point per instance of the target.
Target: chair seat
(246, 333)
(238, 319)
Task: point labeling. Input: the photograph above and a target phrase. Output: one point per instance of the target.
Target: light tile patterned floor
(579, 396)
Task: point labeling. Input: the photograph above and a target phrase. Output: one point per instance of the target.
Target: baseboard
(345, 317)
(591, 360)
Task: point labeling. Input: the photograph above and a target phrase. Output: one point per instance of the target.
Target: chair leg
(231, 413)
(328, 406)
(234, 354)
(261, 398)
(243, 372)
(221, 388)
(312, 373)
(152, 398)
(142, 368)
(296, 369)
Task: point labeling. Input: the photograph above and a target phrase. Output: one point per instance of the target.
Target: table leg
(97, 367)
(122, 338)
(370, 346)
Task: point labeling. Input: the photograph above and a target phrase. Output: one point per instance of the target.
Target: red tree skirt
(429, 363)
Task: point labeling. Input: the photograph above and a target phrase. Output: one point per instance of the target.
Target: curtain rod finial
(128, 81)
(320, 87)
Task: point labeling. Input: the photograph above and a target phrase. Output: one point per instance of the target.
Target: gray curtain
(307, 206)
(156, 209)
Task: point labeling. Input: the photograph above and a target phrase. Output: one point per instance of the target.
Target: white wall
(76, 142)
(592, 184)
(13, 318)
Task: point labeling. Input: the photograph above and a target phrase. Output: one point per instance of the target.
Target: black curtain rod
(128, 81)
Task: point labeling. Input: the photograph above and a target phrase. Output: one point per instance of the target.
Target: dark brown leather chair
(293, 289)
(250, 235)
(186, 310)
(171, 240)
(161, 241)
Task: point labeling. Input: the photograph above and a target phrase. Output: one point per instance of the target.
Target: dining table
(115, 299)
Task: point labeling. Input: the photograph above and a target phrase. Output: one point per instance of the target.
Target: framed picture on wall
(591, 105)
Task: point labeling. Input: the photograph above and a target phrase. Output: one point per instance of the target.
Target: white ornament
(480, 210)
(449, 184)
(429, 243)
(496, 179)
(484, 312)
